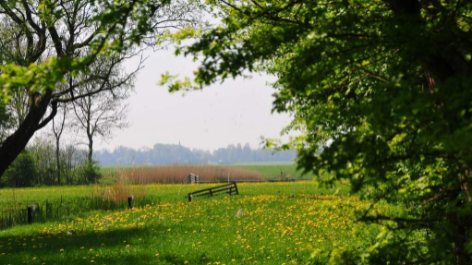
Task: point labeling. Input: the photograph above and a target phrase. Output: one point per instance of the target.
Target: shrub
(91, 172)
(21, 173)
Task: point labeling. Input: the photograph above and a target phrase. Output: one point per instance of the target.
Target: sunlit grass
(269, 223)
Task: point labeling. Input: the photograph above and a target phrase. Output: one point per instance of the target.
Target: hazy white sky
(237, 111)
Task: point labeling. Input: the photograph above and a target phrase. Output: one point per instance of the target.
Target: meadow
(269, 223)
(118, 183)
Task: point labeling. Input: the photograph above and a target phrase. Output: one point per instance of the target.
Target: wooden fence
(230, 189)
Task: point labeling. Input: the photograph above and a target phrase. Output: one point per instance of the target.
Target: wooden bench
(230, 189)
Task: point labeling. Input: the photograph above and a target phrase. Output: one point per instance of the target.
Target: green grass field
(270, 171)
(268, 223)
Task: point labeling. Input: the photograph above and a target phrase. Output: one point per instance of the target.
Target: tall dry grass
(121, 190)
(179, 174)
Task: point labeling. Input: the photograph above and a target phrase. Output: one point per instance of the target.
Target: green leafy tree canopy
(384, 89)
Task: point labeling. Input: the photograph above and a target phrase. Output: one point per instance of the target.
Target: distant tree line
(162, 154)
(43, 164)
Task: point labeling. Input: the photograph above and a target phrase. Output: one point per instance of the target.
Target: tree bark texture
(15, 143)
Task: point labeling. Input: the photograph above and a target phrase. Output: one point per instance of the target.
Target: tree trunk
(15, 143)
(58, 161)
(90, 151)
(466, 185)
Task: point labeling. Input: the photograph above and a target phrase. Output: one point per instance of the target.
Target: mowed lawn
(269, 223)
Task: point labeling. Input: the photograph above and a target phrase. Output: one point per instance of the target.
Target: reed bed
(179, 174)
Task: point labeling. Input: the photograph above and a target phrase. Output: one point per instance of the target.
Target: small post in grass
(130, 202)
(193, 179)
(31, 210)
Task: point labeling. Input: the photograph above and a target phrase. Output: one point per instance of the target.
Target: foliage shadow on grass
(112, 246)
